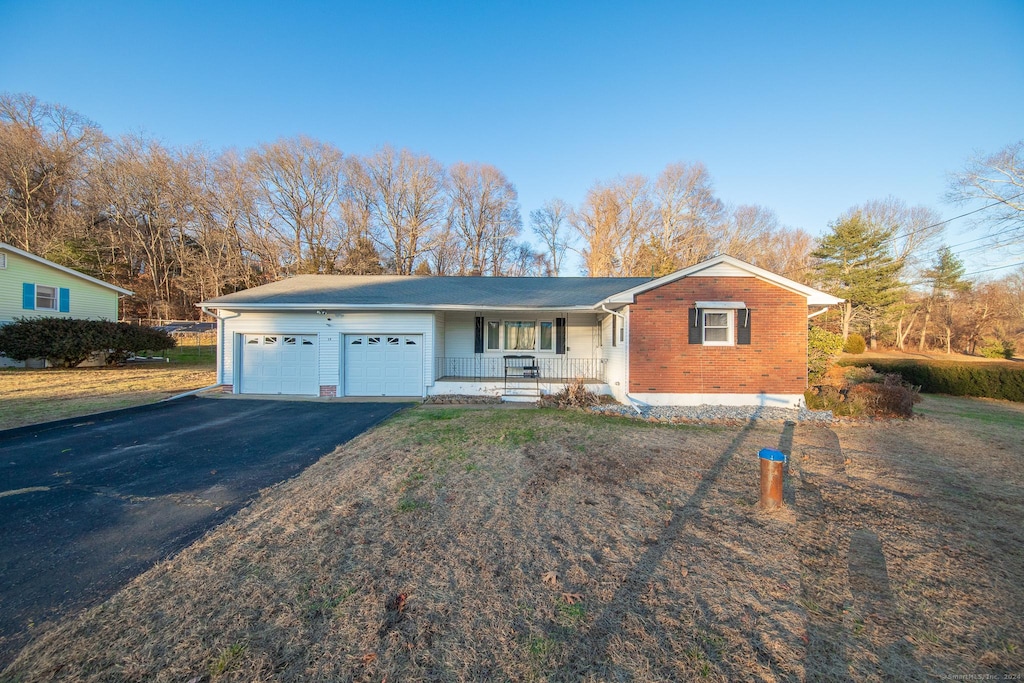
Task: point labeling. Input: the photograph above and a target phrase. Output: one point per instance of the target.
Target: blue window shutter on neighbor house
(64, 300)
(28, 296)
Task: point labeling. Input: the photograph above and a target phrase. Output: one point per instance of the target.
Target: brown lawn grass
(32, 396)
(470, 545)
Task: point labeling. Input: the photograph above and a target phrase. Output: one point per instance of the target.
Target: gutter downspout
(220, 338)
(623, 318)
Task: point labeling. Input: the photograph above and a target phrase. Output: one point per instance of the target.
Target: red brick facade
(328, 391)
(662, 361)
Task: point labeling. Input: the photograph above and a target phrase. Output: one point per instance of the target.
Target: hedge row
(66, 342)
(985, 380)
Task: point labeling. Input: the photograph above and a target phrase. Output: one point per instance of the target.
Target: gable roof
(427, 292)
(410, 292)
(733, 267)
(70, 271)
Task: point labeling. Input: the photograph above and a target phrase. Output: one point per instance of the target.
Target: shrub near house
(66, 342)
(984, 380)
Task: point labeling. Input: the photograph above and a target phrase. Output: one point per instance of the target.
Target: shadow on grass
(591, 654)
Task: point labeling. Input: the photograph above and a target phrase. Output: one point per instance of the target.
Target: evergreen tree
(946, 277)
(362, 259)
(855, 262)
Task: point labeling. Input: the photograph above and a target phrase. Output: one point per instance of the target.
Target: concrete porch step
(520, 398)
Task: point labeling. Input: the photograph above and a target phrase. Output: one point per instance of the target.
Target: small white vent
(3, 261)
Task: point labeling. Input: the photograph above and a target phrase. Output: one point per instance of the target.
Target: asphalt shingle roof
(394, 290)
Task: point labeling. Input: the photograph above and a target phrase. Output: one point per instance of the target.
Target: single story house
(719, 332)
(33, 287)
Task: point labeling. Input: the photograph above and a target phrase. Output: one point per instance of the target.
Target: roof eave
(69, 271)
(814, 297)
(335, 306)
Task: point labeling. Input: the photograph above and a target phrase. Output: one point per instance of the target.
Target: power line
(1011, 265)
(950, 220)
(935, 225)
(976, 272)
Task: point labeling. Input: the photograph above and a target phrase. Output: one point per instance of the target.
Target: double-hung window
(720, 323)
(547, 336)
(493, 335)
(46, 298)
(718, 327)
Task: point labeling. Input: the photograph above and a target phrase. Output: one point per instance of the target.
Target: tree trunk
(871, 334)
(901, 334)
(924, 327)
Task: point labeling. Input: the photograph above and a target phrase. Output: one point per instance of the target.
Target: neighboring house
(32, 287)
(719, 332)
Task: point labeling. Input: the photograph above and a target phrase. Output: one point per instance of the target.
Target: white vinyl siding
(460, 332)
(331, 332)
(438, 334)
(616, 368)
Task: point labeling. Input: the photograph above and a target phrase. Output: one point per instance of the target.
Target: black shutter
(743, 326)
(696, 327)
(560, 335)
(479, 342)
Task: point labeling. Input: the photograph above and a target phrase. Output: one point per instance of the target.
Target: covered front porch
(516, 377)
(551, 369)
(522, 354)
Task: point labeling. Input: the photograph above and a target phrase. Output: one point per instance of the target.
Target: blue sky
(806, 108)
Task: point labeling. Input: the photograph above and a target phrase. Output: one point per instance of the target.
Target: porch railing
(493, 367)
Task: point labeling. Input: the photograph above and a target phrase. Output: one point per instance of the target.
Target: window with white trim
(46, 298)
(547, 335)
(719, 326)
(520, 335)
(543, 336)
(493, 335)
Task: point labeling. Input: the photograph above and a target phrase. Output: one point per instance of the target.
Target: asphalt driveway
(87, 505)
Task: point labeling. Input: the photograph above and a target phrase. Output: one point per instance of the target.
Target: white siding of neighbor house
(330, 329)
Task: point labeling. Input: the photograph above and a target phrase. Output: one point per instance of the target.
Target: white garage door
(384, 365)
(279, 364)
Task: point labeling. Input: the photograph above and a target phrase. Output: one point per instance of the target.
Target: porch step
(520, 398)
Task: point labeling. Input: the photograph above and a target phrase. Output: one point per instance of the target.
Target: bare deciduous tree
(550, 223)
(409, 203)
(44, 156)
(996, 179)
(597, 223)
(300, 182)
(691, 215)
(483, 210)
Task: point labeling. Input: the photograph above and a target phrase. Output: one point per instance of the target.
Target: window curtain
(520, 336)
